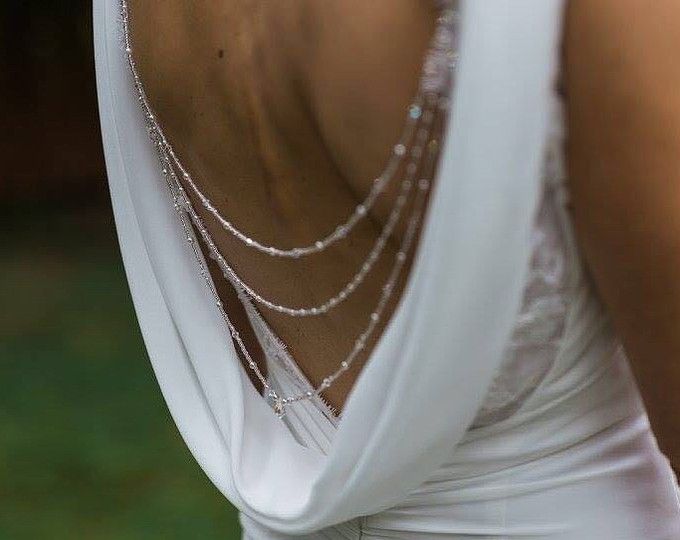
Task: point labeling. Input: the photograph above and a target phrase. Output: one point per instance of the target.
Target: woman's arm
(623, 91)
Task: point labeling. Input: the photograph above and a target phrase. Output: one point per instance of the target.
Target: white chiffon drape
(427, 377)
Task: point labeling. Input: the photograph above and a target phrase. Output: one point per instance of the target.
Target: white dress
(498, 403)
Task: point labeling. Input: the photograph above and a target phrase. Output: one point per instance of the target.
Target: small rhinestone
(415, 111)
(279, 408)
(400, 149)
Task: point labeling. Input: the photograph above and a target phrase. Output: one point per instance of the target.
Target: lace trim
(541, 322)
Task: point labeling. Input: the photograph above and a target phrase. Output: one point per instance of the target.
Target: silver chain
(349, 288)
(415, 110)
(432, 79)
(279, 402)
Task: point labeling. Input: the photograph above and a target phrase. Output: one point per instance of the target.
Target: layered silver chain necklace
(415, 152)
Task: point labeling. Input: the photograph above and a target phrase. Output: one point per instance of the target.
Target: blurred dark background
(87, 447)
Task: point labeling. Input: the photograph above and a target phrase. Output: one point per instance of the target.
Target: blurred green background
(87, 446)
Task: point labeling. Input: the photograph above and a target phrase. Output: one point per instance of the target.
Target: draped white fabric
(431, 369)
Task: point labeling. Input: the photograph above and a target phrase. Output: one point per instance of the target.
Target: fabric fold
(433, 365)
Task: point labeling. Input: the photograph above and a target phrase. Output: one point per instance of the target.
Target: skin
(268, 107)
(293, 109)
(622, 78)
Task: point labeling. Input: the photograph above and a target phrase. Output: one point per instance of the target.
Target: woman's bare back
(285, 114)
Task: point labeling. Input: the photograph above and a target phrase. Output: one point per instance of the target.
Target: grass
(87, 446)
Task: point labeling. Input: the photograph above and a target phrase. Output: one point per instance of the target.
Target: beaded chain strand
(431, 81)
(437, 67)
